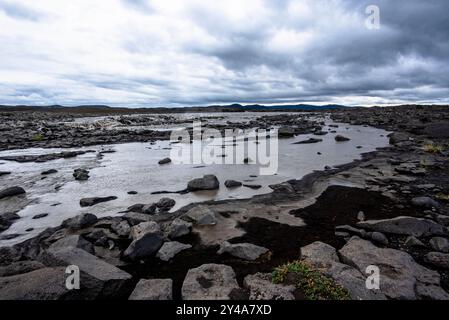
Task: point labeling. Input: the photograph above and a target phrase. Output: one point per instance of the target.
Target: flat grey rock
(153, 289)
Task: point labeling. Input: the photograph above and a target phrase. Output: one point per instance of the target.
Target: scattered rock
(438, 259)
(165, 161)
(4, 173)
(398, 137)
(261, 287)
(170, 249)
(81, 174)
(121, 228)
(340, 138)
(165, 204)
(379, 237)
(439, 244)
(178, 228)
(404, 225)
(207, 182)
(252, 186)
(132, 192)
(148, 239)
(88, 202)
(284, 187)
(412, 241)
(209, 282)
(153, 289)
(11, 192)
(425, 202)
(150, 227)
(80, 222)
(201, 215)
(149, 208)
(47, 172)
(73, 241)
(232, 184)
(246, 251)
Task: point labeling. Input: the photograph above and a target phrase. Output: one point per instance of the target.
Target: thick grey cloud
(196, 52)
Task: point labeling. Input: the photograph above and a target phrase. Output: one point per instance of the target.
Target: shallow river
(134, 167)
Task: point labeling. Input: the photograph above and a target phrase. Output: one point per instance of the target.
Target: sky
(165, 53)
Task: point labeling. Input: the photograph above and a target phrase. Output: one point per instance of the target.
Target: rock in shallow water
(81, 221)
(209, 282)
(11, 192)
(88, 202)
(232, 184)
(207, 182)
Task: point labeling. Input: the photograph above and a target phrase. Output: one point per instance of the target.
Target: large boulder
(404, 225)
(261, 287)
(41, 284)
(324, 258)
(209, 282)
(121, 228)
(170, 249)
(245, 251)
(207, 182)
(201, 215)
(102, 279)
(400, 276)
(153, 289)
(10, 192)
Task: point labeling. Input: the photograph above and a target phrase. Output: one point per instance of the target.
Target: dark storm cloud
(142, 52)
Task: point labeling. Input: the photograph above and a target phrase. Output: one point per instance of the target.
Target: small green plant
(38, 137)
(443, 197)
(313, 284)
(433, 148)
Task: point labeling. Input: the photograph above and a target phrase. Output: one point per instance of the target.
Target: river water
(134, 167)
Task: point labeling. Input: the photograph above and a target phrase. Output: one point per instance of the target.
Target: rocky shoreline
(390, 209)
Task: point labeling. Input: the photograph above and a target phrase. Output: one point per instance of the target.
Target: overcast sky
(200, 52)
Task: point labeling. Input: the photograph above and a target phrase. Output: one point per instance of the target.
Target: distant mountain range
(213, 108)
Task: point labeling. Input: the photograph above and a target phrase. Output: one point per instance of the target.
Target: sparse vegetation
(313, 284)
(443, 197)
(433, 148)
(38, 137)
